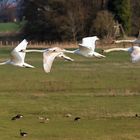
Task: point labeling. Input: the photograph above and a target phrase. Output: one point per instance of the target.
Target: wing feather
(48, 58)
(16, 55)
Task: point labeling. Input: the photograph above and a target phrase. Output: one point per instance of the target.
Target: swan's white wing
(89, 42)
(135, 55)
(84, 46)
(21, 46)
(18, 57)
(48, 58)
(84, 49)
(135, 58)
(93, 42)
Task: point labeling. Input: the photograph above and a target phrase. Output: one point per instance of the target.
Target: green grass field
(10, 27)
(105, 93)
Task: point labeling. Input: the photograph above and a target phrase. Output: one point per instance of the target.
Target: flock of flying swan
(86, 49)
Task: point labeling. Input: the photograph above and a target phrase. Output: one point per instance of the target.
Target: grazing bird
(77, 118)
(49, 55)
(18, 116)
(134, 52)
(68, 115)
(23, 134)
(43, 119)
(17, 57)
(87, 48)
(136, 115)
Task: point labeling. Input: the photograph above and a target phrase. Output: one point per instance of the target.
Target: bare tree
(76, 17)
(104, 24)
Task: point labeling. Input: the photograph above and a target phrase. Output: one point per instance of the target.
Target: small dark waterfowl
(43, 119)
(136, 115)
(18, 116)
(23, 134)
(77, 118)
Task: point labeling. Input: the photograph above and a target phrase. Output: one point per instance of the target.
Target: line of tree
(73, 19)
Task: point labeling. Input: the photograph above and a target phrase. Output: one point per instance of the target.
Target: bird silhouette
(77, 118)
(18, 116)
(18, 57)
(23, 134)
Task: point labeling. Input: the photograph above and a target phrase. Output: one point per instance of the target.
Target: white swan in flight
(134, 52)
(87, 48)
(17, 57)
(49, 55)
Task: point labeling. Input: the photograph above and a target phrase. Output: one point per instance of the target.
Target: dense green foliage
(122, 11)
(71, 20)
(58, 19)
(103, 92)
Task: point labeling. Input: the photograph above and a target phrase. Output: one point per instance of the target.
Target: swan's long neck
(67, 51)
(121, 41)
(116, 49)
(34, 50)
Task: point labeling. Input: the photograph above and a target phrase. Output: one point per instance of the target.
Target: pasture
(10, 27)
(104, 93)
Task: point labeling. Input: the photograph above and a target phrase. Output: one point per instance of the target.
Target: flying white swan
(17, 57)
(134, 52)
(87, 48)
(49, 55)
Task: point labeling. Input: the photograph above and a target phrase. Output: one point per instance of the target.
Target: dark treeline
(74, 19)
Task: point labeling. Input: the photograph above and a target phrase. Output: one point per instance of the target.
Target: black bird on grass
(136, 115)
(18, 116)
(77, 118)
(23, 134)
(43, 119)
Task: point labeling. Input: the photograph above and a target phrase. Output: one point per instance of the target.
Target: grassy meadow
(104, 93)
(10, 27)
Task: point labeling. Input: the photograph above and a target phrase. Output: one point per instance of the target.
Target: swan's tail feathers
(98, 55)
(66, 57)
(28, 65)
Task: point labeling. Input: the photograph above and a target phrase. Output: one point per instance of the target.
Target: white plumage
(49, 55)
(87, 48)
(134, 52)
(18, 57)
